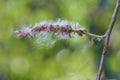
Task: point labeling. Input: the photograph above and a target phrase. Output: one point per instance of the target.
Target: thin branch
(94, 35)
(107, 39)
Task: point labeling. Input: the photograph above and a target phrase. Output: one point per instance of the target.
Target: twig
(94, 35)
(107, 39)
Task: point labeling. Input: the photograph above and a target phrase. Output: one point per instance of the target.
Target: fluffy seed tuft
(62, 28)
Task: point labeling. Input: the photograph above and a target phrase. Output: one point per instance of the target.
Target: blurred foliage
(72, 59)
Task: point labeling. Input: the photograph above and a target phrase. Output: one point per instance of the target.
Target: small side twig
(107, 39)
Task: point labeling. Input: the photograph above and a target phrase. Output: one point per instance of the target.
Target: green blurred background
(73, 59)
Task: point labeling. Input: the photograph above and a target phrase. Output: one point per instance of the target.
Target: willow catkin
(60, 27)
